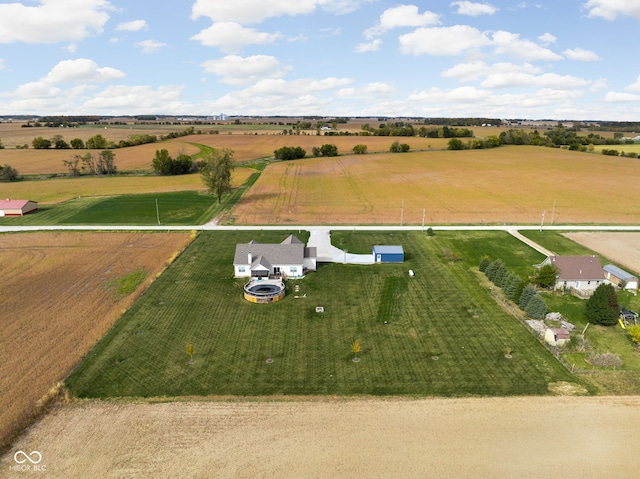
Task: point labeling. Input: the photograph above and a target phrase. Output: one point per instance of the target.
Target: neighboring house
(583, 273)
(617, 277)
(388, 254)
(289, 259)
(11, 207)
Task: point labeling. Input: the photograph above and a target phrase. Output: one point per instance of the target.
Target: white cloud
(634, 86)
(150, 46)
(610, 9)
(237, 70)
(373, 46)
(443, 41)
(617, 97)
(547, 38)
(371, 91)
(474, 9)
(546, 80)
(402, 16)
(231, 37)
(581, 55)
(302, 86)
(511, 44)
(463, 95)
(52, 21)
(132, 26)
(119, 99)
(36, 89)
(79, 71)
(475, 71)
(255, 11)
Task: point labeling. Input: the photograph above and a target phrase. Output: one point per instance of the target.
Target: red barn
(11, 207)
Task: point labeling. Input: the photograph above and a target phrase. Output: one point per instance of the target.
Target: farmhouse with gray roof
(289, 259)
(582, 273)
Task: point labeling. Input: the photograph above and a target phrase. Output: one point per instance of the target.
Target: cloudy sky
(551, 59)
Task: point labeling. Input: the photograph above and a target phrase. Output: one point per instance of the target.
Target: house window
(588, 282)
(242, 269)
(293, 269)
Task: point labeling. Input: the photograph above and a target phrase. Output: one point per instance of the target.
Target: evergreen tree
(528, 292)
(484, 262)
(536, 307)
(511, 284)
(602, 307)
(517, 294)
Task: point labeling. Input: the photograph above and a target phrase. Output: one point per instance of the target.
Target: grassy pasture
(512, 185)
(439, 333)
(58, 302)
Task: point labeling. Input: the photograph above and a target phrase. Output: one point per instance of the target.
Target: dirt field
(546, 437)
(511, 185)
(623, 248)
(56, 304)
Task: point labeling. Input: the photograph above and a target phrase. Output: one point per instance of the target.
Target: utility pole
(157, 211)
(542, 224)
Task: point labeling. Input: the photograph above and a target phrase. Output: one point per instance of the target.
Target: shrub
(604, 359)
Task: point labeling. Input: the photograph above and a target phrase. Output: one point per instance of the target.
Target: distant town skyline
(569, 60)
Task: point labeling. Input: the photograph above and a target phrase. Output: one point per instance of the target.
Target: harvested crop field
(249, 147)
(61, 294)
(135, 158)
(512, 185)
(623, 248)
(547, 437)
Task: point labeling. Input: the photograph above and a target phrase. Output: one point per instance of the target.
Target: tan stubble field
(542, 437)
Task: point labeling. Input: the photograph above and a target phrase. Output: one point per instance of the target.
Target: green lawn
(438, 333)
(175, 208)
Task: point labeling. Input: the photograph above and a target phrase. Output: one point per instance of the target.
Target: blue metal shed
(388, 254)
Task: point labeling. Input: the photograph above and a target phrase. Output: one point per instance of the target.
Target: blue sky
(560, 59)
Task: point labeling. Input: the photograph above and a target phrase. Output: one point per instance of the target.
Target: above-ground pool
(264, 290)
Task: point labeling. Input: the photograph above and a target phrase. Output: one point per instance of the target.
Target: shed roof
(619, 273)
(578, 267)
(13, 204)
(388, 249)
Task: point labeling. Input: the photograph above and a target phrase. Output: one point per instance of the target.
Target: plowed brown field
(512, 185)
(56, 305)
(623, 248)
(541, 437)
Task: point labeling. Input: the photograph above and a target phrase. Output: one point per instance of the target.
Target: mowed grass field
(511, 184)
(61, 293)
(439, 333)
(174, 208)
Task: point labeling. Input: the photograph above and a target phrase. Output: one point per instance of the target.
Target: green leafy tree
(162, 162)
(77, 144)
(106, 162)
(289, 153)
(182, 165)
(97, 142)
(546, 276)
(602, 307)
(484, 262)
(328, 150)
(88, 162)
(72, 165)
(397, 147)
(40, 143)
(216, 171)
(455, 144)
(7, 173)
(536, 307)
(360, 149)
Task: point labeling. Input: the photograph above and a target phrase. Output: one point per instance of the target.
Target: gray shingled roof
(274, 253)
(585, 268)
